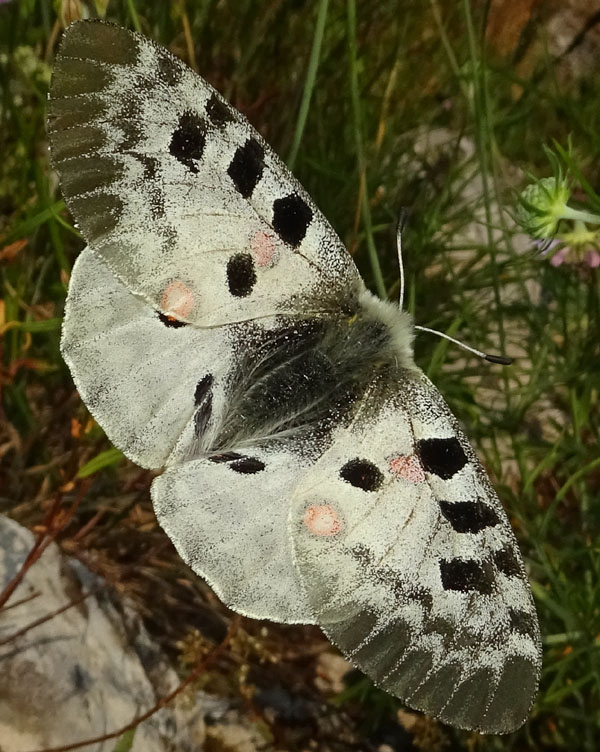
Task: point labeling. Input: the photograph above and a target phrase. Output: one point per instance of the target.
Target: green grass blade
(100, 461)
(309, 83)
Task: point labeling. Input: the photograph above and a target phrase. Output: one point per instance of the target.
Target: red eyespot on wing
(178, 299)
(263, 249)
(322, 520)
(407, 467)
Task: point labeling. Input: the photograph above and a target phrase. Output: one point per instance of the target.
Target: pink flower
(592, 258)
(578, 247)
(573, 255)
(560, 256)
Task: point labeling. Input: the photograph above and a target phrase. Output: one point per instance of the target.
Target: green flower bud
(542, 205)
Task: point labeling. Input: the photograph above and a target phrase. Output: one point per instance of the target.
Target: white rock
(85, 672)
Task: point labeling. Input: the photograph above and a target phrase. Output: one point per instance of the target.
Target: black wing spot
(218, 112)
(362, 474)
(241, 275)
(469, 516)
(203, 387)
(442, 457)
(521, 621)
(203, 401)
(467, 575)
(291, 218)
(239, 463)
(170, 321)
(247, 465)
(507, 562)
(247, 167)
(188, 140)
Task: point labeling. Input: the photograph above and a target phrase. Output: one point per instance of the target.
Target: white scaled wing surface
(410, 564)
(178, 194)
(227, 515)
(133, 369)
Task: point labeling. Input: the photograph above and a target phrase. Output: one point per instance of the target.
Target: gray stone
(85, 672)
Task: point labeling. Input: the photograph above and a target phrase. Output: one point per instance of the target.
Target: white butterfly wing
(162, 392)
(178, 194)
(196, 218)
(410, 565)
(227, 516)
(154, 385)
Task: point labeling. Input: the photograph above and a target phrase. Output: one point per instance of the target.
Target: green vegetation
(380, 106)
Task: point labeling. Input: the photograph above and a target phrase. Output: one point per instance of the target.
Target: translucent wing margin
(411, 567)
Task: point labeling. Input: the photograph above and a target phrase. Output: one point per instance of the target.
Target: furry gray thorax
(309, 374)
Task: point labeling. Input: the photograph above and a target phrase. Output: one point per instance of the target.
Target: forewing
(411, 567)
(178, 194)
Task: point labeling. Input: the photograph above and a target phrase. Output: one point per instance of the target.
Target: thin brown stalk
(48, 617)
(56, 520)
(22, 601)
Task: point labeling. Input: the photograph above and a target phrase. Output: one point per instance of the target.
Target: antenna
(503, 361)
(500, 359)
(399, 227)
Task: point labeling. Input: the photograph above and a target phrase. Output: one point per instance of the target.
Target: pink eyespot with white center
(322, 520)
(177, 299)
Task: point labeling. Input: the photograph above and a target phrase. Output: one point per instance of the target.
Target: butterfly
(217, 328)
